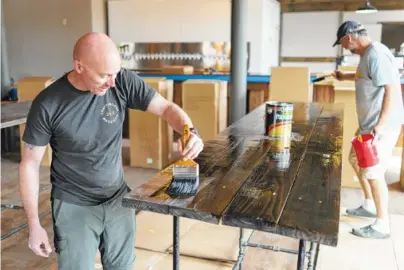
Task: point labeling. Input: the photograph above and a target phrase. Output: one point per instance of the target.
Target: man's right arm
(343, 76)
(36, 137)
(29, 180)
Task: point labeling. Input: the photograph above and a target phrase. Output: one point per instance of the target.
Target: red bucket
(366, 152)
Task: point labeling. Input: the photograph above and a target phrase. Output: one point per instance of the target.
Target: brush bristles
(182, 185)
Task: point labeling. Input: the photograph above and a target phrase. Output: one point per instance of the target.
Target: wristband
(195, 131)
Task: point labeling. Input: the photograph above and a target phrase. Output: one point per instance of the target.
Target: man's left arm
(170, 112)
(386, 112)
(176, 118)
(383, 74)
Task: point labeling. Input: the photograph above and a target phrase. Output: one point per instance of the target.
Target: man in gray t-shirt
(81, 116)
(380, 112)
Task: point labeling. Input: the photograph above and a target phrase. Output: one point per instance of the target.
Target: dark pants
(81, 230)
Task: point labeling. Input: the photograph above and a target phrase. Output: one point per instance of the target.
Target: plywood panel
(349, 178)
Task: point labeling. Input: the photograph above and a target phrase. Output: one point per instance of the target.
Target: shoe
(361, 212)
(369, 232)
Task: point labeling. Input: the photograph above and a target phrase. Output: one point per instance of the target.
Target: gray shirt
(85, 134)
(375, 70)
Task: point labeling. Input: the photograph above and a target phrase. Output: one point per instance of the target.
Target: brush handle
(185, 136)
(319, 79)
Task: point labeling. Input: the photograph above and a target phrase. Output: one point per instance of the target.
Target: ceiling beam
(338, 6)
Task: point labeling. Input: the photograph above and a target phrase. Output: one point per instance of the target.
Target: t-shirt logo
(109, 113)
(359, 75)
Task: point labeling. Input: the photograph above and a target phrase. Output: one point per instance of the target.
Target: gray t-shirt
(85, 134)
(375, 70)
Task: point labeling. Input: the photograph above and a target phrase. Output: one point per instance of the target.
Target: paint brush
(185, 173)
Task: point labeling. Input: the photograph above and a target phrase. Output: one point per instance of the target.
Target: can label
(281, 143)
(278, 122)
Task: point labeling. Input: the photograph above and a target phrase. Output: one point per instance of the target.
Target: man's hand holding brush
(193, 147)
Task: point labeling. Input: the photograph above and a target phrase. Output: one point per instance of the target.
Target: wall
(393, 35)
(270, 35)
(310, 34)
(99, 16)
(315, 37)
(38, 43)
(156, 21)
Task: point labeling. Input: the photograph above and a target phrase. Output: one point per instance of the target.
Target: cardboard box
(290, 84)
(205, 101)
(28, 88)
(151, 138)
(351, 125)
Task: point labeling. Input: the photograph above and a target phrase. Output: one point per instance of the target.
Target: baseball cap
(348, 27)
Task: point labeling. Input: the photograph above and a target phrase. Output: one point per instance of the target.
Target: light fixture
(368, 8)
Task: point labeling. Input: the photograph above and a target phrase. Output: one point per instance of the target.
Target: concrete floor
(351, 253)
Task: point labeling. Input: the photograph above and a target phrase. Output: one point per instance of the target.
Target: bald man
(81, 116)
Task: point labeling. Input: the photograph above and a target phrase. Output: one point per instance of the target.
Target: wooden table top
(242, 182)
(13, 114)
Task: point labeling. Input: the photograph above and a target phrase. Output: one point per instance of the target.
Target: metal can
(278, 119)
(281, 143)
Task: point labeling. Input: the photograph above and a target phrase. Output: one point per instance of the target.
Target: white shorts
(384, 147)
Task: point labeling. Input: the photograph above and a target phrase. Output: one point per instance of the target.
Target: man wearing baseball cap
(380, 112)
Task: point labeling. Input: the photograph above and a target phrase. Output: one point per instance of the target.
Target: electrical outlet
(64, 21)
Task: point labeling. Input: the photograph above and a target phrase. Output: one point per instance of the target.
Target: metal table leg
(301, 255)
(239, 264)
(313, 255)
(176, 243)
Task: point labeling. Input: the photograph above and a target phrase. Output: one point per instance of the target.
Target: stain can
(281, 143)
(278, 119)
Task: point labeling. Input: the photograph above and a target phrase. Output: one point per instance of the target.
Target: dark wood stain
(262, 197)
(14, 113)
(153, 193)
(313, 206)
(240, 184)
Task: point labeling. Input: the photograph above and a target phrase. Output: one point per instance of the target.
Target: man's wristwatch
(195, 131)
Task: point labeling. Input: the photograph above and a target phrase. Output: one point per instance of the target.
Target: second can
(278, 119)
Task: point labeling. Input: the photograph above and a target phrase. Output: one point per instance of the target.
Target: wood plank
(225, 163)
(312, 209)
(323, 93)
(177, 98)
(259, 202)
(152, 195)
(14, 113)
